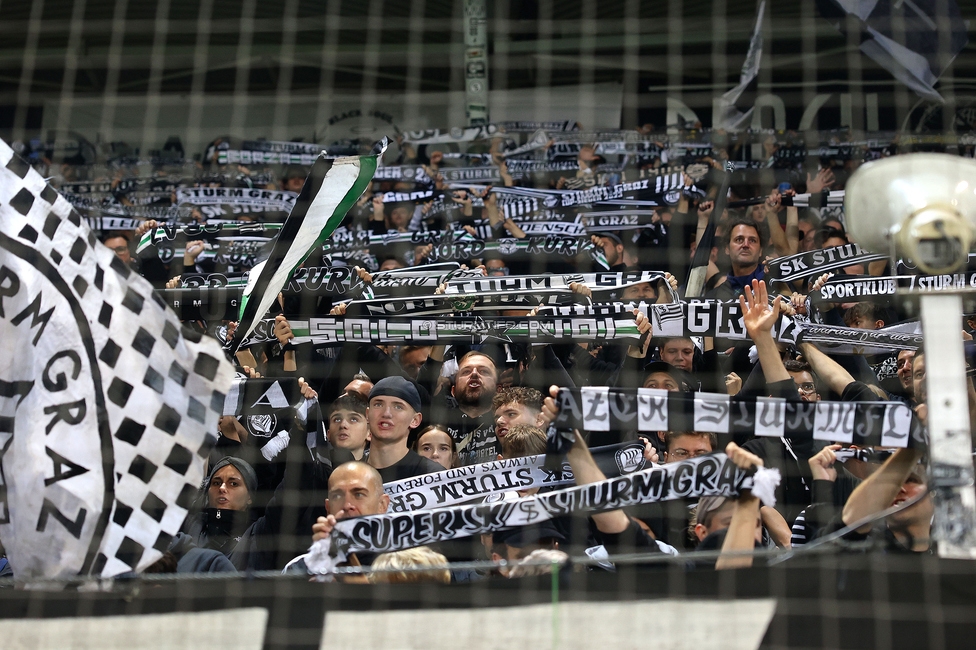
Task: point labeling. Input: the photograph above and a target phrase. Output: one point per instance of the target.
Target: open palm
(756, 313)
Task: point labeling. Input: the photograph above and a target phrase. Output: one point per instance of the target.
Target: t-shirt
(475, 437)
(413, 464)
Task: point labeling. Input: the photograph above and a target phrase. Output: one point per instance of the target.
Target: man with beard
(472, 424)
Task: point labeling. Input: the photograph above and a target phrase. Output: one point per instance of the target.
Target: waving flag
(107, 406)
(332, 187)
(914, 40)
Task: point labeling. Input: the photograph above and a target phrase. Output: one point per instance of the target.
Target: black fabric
(632, 539)
(192, 559)
(668, 520)
(792, 494)
(413, 464)
(879, 537)
(476, 434)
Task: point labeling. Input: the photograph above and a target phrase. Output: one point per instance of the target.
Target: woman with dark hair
(227, 523)
(435, 443)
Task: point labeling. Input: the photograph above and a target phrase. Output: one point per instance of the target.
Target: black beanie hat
(398, 387)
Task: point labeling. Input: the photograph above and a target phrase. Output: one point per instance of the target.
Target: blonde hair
(395, 567)
(532, 564)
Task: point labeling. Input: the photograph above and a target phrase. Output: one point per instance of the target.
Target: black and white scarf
(475, 482)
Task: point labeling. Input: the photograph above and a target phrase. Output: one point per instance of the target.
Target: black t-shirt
(475, 437)
(858, 391)
(413, 464)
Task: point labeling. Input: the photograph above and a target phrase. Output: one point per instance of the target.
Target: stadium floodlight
(922, 204)
(922, 208)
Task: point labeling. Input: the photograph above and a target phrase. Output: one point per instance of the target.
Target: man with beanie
(394, 409)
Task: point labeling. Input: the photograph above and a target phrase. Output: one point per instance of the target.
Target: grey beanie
(242, 466)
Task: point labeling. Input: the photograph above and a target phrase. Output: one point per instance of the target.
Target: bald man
(355, 490)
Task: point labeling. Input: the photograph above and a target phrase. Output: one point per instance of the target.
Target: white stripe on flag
(652, 409)
(771, 417)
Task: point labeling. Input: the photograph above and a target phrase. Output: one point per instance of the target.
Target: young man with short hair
(682, 445)
(394, 409)
(348, 428)
(516, 405)
(679, 352)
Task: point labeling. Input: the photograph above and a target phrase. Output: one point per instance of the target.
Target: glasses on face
(500, 270)
(119, 250)
(682, 454)
(807, 388)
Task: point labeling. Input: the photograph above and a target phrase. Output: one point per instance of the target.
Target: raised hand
(822, 464)
(733, 383)
(823, 180)
(307, 391)
(650, 453)
(581, 290)
(145, 227)
(644, 327)
(282, 330)
(742, 458)
(757, 316)
(193, 250)
(363, 274)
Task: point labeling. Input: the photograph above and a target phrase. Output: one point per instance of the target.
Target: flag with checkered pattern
(108, 407)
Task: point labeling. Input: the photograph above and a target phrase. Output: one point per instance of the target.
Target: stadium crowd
(386, 413)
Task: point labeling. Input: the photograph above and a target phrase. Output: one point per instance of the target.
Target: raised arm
(878, 490)
(585, 469)
(741, 535)
(828, 370)
(769, 212)
(759, 319)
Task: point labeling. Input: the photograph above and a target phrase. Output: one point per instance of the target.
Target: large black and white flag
(107, 407)
(332, 187)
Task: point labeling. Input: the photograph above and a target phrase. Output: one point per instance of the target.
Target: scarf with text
(817, 262)
(711, 475)
(866, 424)
(335, 330)
(463, 484)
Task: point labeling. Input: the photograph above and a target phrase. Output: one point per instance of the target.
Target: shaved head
(355, 489)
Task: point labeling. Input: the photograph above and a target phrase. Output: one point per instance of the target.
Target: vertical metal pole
(475, 20)
(950, 446)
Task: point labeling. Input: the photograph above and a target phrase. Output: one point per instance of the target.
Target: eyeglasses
(682, 454)
(807, 388)
(120, 249)
(499, 270)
